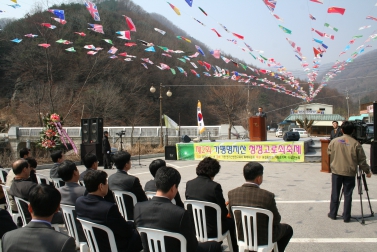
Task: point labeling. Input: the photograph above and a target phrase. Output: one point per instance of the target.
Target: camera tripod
(121, 142)
(360, 181)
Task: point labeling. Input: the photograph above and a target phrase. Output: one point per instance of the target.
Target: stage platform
(273, 150)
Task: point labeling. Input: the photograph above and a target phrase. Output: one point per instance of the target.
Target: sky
(253, 20)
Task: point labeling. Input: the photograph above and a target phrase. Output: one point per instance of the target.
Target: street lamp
(168, 93)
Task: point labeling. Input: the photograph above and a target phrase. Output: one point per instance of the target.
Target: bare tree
(226, 102)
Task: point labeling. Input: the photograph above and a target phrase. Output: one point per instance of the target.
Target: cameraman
(346, 154)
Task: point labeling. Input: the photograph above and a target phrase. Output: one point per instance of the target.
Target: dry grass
(145, 149)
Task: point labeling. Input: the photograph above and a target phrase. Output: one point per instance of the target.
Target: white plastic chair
(56, 182)
(151, 194)
(91, 239)
(81, 182)
(156, 236)
(40, 177)
(21, 212)
(72, 228)
(119, 199)
(2, 178)
(199, 215)
(248, 244)
(15, 216)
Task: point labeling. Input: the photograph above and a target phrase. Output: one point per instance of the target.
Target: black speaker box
(373, 157)
(186, 139)
(96, 149)
(170, 153)
(85, 131)
(291, 136)
(96, 130)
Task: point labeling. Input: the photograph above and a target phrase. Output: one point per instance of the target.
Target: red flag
(207, 65)
(130, 23)
(317, 1)
(238, 35)
(218, 34)
(316, 52)
(336, 10)
(130, 44)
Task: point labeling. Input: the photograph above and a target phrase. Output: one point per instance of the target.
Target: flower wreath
(53, 136)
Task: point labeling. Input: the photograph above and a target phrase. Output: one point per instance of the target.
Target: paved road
(302, 193)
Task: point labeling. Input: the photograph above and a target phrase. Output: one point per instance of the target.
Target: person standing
(346, 154)
(336, 132)
(261, 113)
(106, 149)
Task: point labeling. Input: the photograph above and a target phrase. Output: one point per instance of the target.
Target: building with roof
(322, 114)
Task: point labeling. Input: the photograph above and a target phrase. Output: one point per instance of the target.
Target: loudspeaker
(186, 139)
(170, 153)
(96, 130)
(291, 136)
(96, 149)
(85, 128)
(373, 157)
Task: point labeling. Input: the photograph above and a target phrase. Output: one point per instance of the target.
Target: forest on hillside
(76, 85)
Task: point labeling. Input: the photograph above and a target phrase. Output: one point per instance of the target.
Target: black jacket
(150, 186)
(105, 145)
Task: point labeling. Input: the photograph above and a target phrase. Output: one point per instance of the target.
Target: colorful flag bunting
(160, 31)
(58, 13)
(130, 23)
(92, 8)
(71, 49)
(113, 50)
(218, 34)
(333, 28)
(337, 10)
(175, 9)
(270, 4)
(96, 28)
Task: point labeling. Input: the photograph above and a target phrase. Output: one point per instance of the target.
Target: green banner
(243, 151)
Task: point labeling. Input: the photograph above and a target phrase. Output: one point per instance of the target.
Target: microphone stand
(138, 139)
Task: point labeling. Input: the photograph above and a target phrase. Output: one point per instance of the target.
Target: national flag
(113, 50)
(312, 17)
(248, 47)
(164, 66)
(225, 59)
(195, 73)
(58, 13)
(189, 2)
(71, 49)
(193, 64)
(277, 17)
(16, 40)
(201, 127)
(271, 4)
(218, 34)
(215, 53)
(62, 21)
(329, 36)
(207, 74)
(130, 44)
(113, 57)
(14, 6)
(207, 65)
(317, 52)
(318, 41)
(150, 49)
(96, 27)
(91, 52)
(364, 27)
(181, 70)
(108, 41)
(92, 8)
(238, 35)
(175, 9)
(81, 34)
(30, 35)
(224, 27)
(203, 11)
(194, 55)
(166, 55)
(327, 25)
(233, 41)
(371, 18)
(317, 1)
(285, 29)
(124, 34)
(199, 22)
(48, 25)
(90, 47)
(199, 50)
(160, 31)
(145, 65)
(130, 23)
(123, 54)
(337, 10)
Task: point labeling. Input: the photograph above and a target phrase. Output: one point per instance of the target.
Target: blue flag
(189, 2)
(150, 49)
(58, 13)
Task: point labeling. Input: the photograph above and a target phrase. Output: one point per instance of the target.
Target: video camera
(121, 133)
(360, 132)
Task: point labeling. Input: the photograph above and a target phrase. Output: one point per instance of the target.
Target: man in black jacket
(122, 181)
(160, 213)
(93, 207)
(106, 150)
(336, 132)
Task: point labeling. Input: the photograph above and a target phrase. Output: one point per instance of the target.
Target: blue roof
(360, 117)
(315, 117)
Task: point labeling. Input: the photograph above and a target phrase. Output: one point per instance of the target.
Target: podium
(325, 161)
(257, 128)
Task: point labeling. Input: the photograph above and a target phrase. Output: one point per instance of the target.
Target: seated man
(38, 234)
(151, 184)
(6, 221)
(58, 158)
(251, 195)
(93, 207)
(160, 213)
(71, 191)
(33, 168)
(122, 181)
(69, 173)
(90, 162)
(22, 186)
